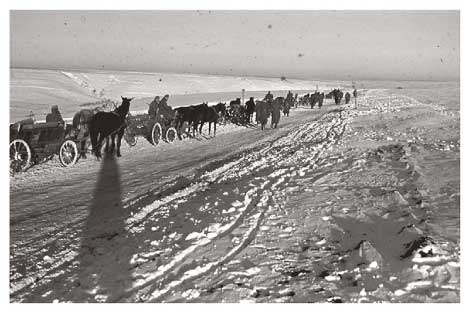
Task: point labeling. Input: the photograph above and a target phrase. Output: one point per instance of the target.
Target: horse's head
(126, 100)
(123, 109)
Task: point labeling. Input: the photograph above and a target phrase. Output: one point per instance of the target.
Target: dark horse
(209, 115)
(183, 115)
(104, 124)
(220, 108)
(81, 125)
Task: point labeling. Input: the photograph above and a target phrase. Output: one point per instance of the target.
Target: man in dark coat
(347, 98)
(54, 115)
(269, 97)
(276, 106)
(164, 111)
(153, 106)
(250, 108)
(262, 113)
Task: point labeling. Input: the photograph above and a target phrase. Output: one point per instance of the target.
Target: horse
(81, 125)
(207, 114)
(220, 108)
(321, 100)
(337, 94)
(235, 102)
(304, 100)
(182, 115)
(104, 124)
(314, 99)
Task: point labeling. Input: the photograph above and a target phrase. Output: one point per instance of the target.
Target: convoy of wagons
(33, 143)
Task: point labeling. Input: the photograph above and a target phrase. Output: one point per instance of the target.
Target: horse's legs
(200, 127)
(119, 139)
(106, 148)
(178, 127)
(214, 128)
(194, 129)
(97, 151)
(209, 128)
(83, 149)
(113, 143)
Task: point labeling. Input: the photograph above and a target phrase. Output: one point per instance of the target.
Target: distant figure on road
(54, 115)
(250, 108)
(262, 113)
(153, 106)
(355, 95)
(347, 98)
(276, 106)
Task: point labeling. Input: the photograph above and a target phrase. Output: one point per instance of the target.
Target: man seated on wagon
(153, 107)
(54, 115)
(164, 111)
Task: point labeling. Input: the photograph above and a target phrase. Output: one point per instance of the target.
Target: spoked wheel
(185, 130)
(68, 153)
(130, 139)
(156, 133)
(20, 155)
(171, 134)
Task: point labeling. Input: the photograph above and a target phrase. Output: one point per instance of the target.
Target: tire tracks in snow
(269, 170)
(258, 172)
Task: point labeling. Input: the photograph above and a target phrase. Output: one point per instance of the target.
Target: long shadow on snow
(105, 261)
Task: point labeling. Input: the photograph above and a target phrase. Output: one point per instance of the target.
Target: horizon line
(233, 75)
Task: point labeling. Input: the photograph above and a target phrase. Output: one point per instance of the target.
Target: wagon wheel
(185, 130)
(171, 134)
(20, 155)
(68, 153)
(156, 133)
(130, 139)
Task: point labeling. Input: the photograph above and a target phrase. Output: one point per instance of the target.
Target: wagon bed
(32, 143)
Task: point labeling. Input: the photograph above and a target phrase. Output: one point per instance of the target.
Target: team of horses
(109, 126)
(318, 98)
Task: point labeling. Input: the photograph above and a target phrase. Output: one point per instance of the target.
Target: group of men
(161, 108)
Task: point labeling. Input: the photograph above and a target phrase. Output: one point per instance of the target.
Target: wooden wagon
(32, 143)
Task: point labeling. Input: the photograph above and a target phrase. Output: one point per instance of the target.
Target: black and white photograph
(233, 155)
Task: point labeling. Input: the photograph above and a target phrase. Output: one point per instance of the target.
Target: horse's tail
(76, 120)
(93, 136)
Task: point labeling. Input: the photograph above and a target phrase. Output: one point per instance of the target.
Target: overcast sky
(346, 45)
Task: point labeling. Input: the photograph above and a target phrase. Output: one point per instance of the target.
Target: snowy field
(36, 90)
(336, 205)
